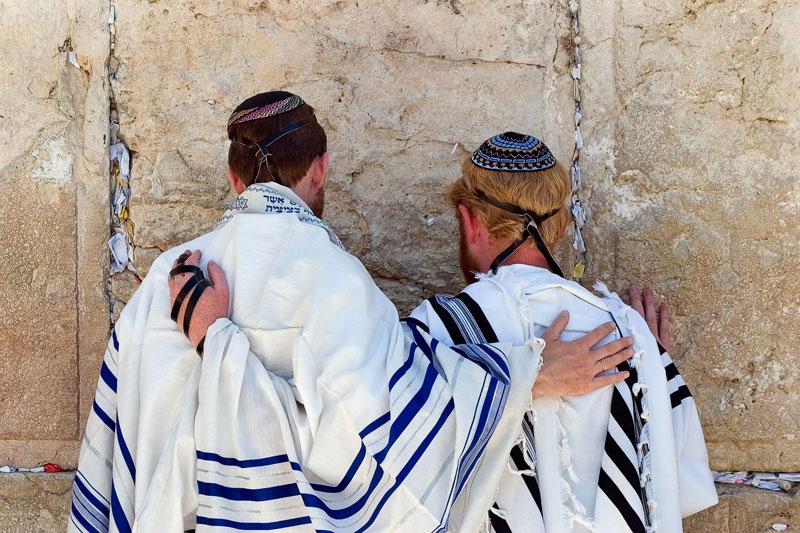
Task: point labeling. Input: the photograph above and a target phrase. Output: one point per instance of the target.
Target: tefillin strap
(196, 282)
(531, 229)
(263, 145)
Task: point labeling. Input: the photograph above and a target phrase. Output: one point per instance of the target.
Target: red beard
(468, 263)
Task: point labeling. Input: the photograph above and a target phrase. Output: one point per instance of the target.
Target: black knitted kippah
(513, 152)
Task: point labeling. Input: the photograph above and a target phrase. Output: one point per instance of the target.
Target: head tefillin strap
(263, 145)
(515, 152)
(276, 103)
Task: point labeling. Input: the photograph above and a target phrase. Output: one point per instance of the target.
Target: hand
(572, 368)
(644, 301)
(213, 303)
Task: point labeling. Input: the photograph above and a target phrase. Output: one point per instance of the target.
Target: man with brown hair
(625, 457)
(313, 407)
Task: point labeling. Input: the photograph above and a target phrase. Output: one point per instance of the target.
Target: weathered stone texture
(34, 503)
(691, 168)
(394, 91)
(694, 188)
(746, 510)
(53, 181)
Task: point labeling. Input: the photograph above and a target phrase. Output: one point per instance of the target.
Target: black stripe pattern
(675, 383)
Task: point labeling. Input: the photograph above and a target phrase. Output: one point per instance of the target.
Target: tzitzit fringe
(642, 418)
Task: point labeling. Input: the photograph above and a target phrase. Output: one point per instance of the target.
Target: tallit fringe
(644, 457)
(572, 510)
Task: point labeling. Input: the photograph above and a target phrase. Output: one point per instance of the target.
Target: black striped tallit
(621, 464)
(675, 383)
(466, 323)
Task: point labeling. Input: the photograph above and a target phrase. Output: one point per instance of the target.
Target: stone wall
(53, 224)
(690, 177)
(694, 188)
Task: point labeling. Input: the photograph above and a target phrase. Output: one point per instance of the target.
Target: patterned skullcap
(513, 152)
(273, 103)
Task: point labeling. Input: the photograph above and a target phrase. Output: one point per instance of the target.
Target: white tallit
(590, 473)
(313, 408)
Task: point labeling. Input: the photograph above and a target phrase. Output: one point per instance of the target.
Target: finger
(611, 348)
(217, 276)
(613, 361)
(609, 379)
(194, 258)
(650, 310)
(663, 326)
(635, 294)
(553, 332)
(596, 335)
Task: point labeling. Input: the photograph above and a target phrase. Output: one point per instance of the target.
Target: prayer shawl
(318, 410)
(626, 458)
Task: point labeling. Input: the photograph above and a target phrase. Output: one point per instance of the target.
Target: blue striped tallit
(313, 407)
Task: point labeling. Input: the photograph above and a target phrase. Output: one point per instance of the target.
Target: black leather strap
(200, 345)
(540, 244)
(184, 268)
(202, 285)
(502, 256)
(531, 229)
(184, 292)
(264, 144)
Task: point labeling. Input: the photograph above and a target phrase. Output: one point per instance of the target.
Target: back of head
(274, 136)
(519, 170)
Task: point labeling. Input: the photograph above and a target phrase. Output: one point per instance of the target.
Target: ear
(320, 169)
(236, 182)
(473, 227)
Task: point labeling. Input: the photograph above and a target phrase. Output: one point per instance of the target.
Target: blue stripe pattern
(82, 521)
(118, 513)
(126, 453)
(83, 493)
(410, 411)
(247, 463)
(250, 495)
(253, 526)
(103, 416)
(485, 419)
(108, 377)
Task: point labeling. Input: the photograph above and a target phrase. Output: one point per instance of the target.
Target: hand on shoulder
(572, 368)
(197, 302)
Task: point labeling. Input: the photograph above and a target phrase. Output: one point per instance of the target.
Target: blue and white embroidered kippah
(513, 152)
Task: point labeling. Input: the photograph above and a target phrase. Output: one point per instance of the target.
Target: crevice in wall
(576, 207)
(120, 242)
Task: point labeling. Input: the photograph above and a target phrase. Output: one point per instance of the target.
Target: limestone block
(53, 222)
(746, 510)
(35, 503)
(401, 101)
(697, 195)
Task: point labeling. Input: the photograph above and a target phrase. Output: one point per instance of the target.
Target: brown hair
(539, 191)
(290, 156)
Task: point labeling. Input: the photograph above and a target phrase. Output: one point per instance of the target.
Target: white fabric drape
(313, 408)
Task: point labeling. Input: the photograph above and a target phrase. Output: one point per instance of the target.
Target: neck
(527, 254)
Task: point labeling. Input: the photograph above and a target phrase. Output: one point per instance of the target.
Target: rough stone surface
(53, 224)
(747, 510)
(694, 188)
(394, 92)
(34, 503)
(691, 179)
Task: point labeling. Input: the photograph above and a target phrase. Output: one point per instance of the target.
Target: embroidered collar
(272, 198)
